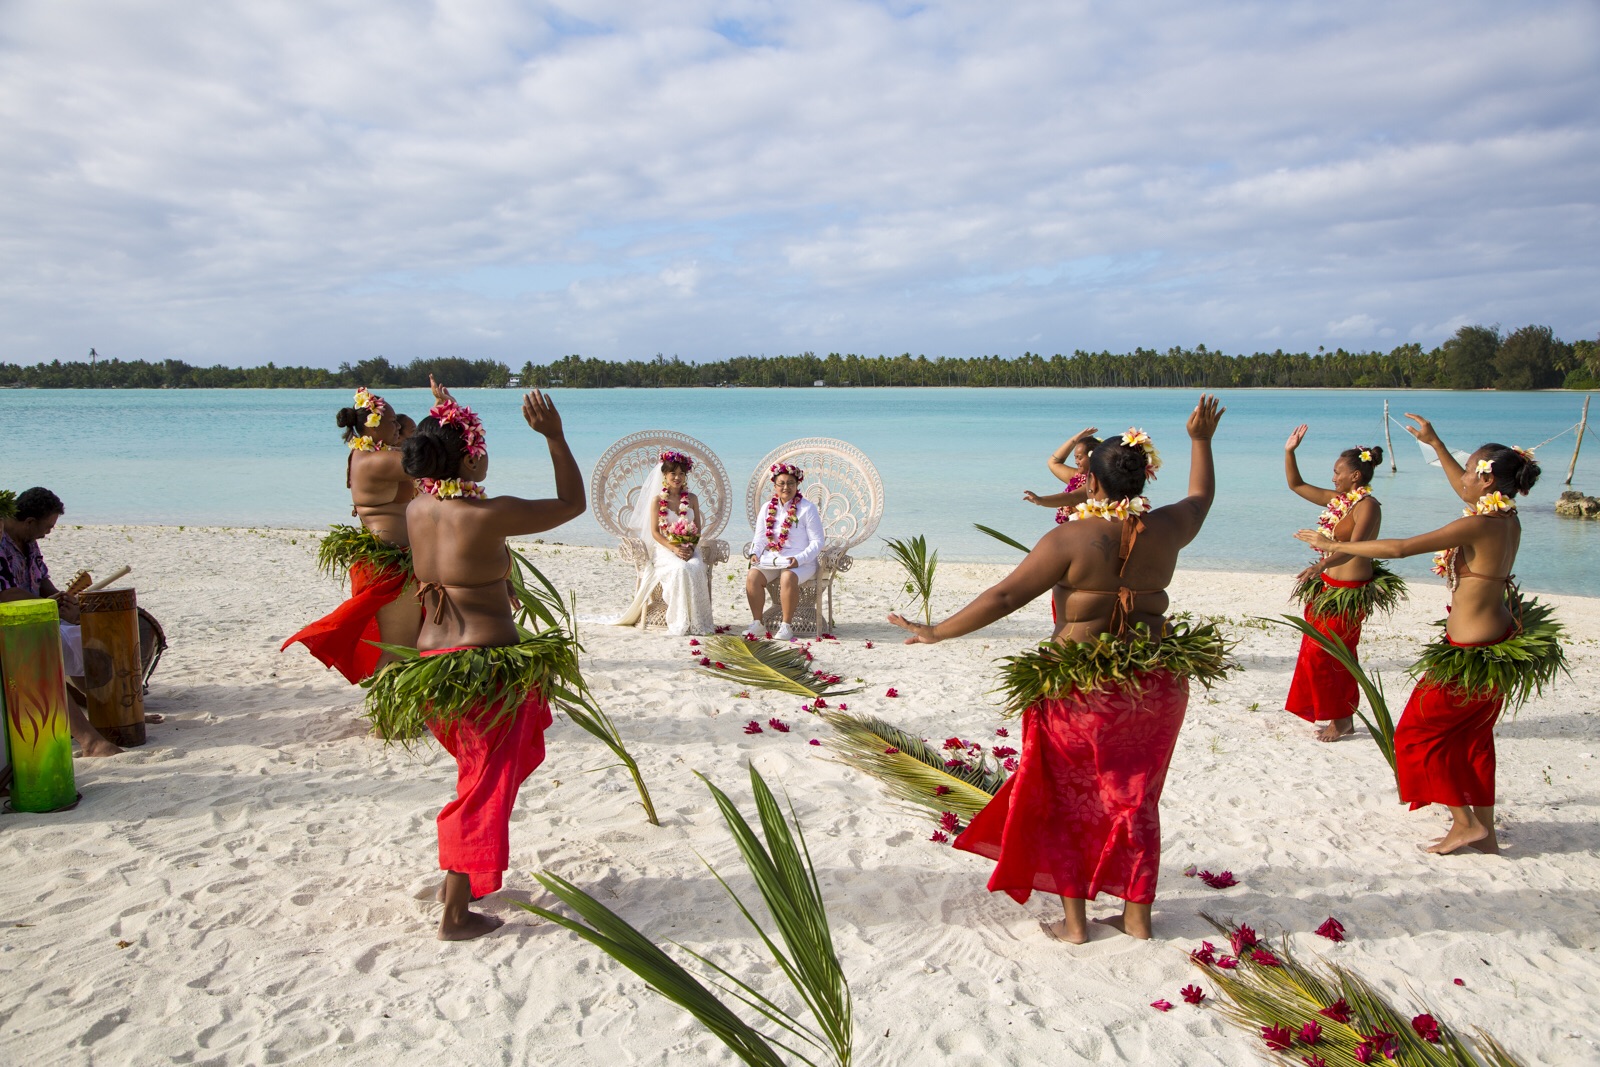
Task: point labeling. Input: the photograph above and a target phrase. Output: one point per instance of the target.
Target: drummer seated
(24, 576)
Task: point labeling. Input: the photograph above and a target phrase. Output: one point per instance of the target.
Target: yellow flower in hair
(1485, 467)
(363, 398)
(375, 419)
(1366, 456)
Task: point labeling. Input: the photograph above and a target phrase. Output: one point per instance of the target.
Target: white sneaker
(784, 633)
(755, 629)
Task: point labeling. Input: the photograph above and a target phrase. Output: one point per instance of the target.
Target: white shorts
(804, 573)
(71, 650)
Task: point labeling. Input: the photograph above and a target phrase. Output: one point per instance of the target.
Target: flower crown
(373, 404)
(680, 458)
(450, 413)
(790, 469)
(1137, 438)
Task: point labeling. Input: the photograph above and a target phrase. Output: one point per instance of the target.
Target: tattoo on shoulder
(1107, 545)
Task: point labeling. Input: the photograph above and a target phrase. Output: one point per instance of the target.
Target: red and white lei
(682, 532)
(1113, 510)
(450, 488)
(1337, 509)
(776, 542)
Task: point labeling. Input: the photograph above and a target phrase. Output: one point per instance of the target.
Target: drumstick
(108, 579)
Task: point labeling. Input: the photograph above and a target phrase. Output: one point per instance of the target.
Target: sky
(318, 183)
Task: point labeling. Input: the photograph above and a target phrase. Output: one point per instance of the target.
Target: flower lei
(367, 444)
(450, 413)
(1137, 438)
(665, 513)
(1495, 503)
(1337, 509)
(775, 543)
(450, 488)
(374, 405)
(680, 458)
(1113, 510)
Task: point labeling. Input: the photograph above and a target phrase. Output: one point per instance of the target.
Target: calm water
(948, 457)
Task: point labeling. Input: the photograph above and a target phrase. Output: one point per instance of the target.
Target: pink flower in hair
(786, 468)
(450, 413)
(680, 458)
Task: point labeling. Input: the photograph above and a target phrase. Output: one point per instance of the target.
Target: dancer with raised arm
(375, 555)
(783, 548)
(1338, 591)
(1496, 648)
(668, 519)
(1102, 703)
(1078, 447)
(477, 682)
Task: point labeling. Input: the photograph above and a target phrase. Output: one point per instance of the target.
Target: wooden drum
(113, 676)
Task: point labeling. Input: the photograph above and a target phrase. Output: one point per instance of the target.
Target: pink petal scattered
(1459, 982)
(1278, 1038)
(1311, 1033)
(1161, 1005)
(778, 725)
(752, 727)
(939, 837)
(813, 741)
(1192, 994)
(1002, 732)
(1333, 929)
(893, 692)
(1427, 1027)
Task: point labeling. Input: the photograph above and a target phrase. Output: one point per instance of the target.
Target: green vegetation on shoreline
(1476, 357)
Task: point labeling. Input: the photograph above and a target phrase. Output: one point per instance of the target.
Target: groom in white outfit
(784, 549)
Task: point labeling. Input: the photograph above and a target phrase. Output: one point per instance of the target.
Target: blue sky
(316, 183)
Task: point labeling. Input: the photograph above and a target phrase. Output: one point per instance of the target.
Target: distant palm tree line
(1476, 357)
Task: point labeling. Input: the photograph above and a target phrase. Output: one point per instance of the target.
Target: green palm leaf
(344, 546)
(773, 665)
(8, 504)
(1383, 594)
(1518, 667)
(910, 768)
(919, 566)
(1002, 538)
(1381, 725)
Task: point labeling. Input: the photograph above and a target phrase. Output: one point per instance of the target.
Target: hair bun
(349, 418)
(1377, 453)
(425, 455)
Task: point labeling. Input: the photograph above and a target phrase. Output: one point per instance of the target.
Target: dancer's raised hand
(440, 393)
(1295, 437)
(1204, 418)
(1423, 430)
(1088, 431)
(539, 411)
(920, 634)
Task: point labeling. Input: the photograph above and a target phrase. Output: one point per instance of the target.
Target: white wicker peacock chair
(619, 479)
(844, 485)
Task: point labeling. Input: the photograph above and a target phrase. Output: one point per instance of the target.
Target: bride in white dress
(668, 517)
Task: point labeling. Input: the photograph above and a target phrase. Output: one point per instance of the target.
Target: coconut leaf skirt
(342, 547)
(487, 684)
(1324, 596)
(1081, 814)
(1516, 667)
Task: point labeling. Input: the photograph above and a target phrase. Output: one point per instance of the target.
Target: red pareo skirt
(1322, 689)
(1080, 816)
(340, 638)
(1444, 744)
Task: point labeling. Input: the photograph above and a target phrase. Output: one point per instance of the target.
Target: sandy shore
(250, 887)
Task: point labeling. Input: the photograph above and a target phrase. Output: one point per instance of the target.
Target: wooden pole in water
(1388, 443)
(1583, 424)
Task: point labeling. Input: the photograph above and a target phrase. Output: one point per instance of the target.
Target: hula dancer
(1495, 649)
(1339, 591)
(376, 555)
(476, 681)
(1102, 704)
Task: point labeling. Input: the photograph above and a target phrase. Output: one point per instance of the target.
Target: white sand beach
(255, 884)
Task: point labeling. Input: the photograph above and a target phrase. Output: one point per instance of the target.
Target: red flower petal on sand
(1243, 938)
(1265, 958)
(1333, 929)
(1219, 881)
(893, 692)
(949, 821)
(778, 725)
(693, 643)
(844, 707)
(1311, 1033)
(952, 764)
(752, 637)
(1338, 1011)
(1278, 1038)
(1003, 751)
(1190, 871)
(820, 703)
(723, 629)
(719, 665)
(1010, 765)
(705, 661)
(752, 727)
(1227, 963)
(1002, 732)
(813, 741)
(1192, 994)
(1427, 1027)
(1459, 982)
(954, 742)
(869, 644)
(890, 751)
(1206, 953)
(938, 836)
(941, 790)
(1161, 1005)
(826, 637)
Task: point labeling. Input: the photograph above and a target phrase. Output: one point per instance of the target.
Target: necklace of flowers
(450, 488)
(367, 444)
(1495, 503)
(665, 513)
(1114, 510)
(775, 543)
(1338, 508)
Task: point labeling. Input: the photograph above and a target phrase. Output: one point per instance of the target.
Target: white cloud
(274, 181)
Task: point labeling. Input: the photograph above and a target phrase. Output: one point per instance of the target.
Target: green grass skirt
(343, 547)
(1518, 668)
(1383, 593)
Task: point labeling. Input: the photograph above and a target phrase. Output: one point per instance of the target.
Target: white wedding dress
(685, 585)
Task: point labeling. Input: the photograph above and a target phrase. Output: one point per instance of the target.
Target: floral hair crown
(450, 413)
(1137, 438)
(680, 458)
(373, 404)
(787, 468)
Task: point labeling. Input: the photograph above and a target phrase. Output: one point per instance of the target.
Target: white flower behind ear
(1485, 467)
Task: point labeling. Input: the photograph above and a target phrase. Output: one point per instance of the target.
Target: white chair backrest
(840, 480)
(620, 475)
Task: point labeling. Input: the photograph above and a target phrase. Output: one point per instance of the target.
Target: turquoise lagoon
(948, 457)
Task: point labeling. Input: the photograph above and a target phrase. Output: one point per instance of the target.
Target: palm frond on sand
(1002, 538)
(1278, 1001)
(785, 876)
(909, 768)
(920, 566)
(1381, 725)
(777, 666)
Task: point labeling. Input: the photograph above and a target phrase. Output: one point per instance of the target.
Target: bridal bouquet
(682, 532)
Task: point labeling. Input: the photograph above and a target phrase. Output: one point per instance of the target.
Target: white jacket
(804, 543)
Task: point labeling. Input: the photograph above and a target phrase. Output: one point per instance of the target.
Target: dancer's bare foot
(1060, 930)
(458, 923)
(1335, 729)
(154, 720)
(97, 746)
(1459, 837)
(91, 742)
(1134, 921)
